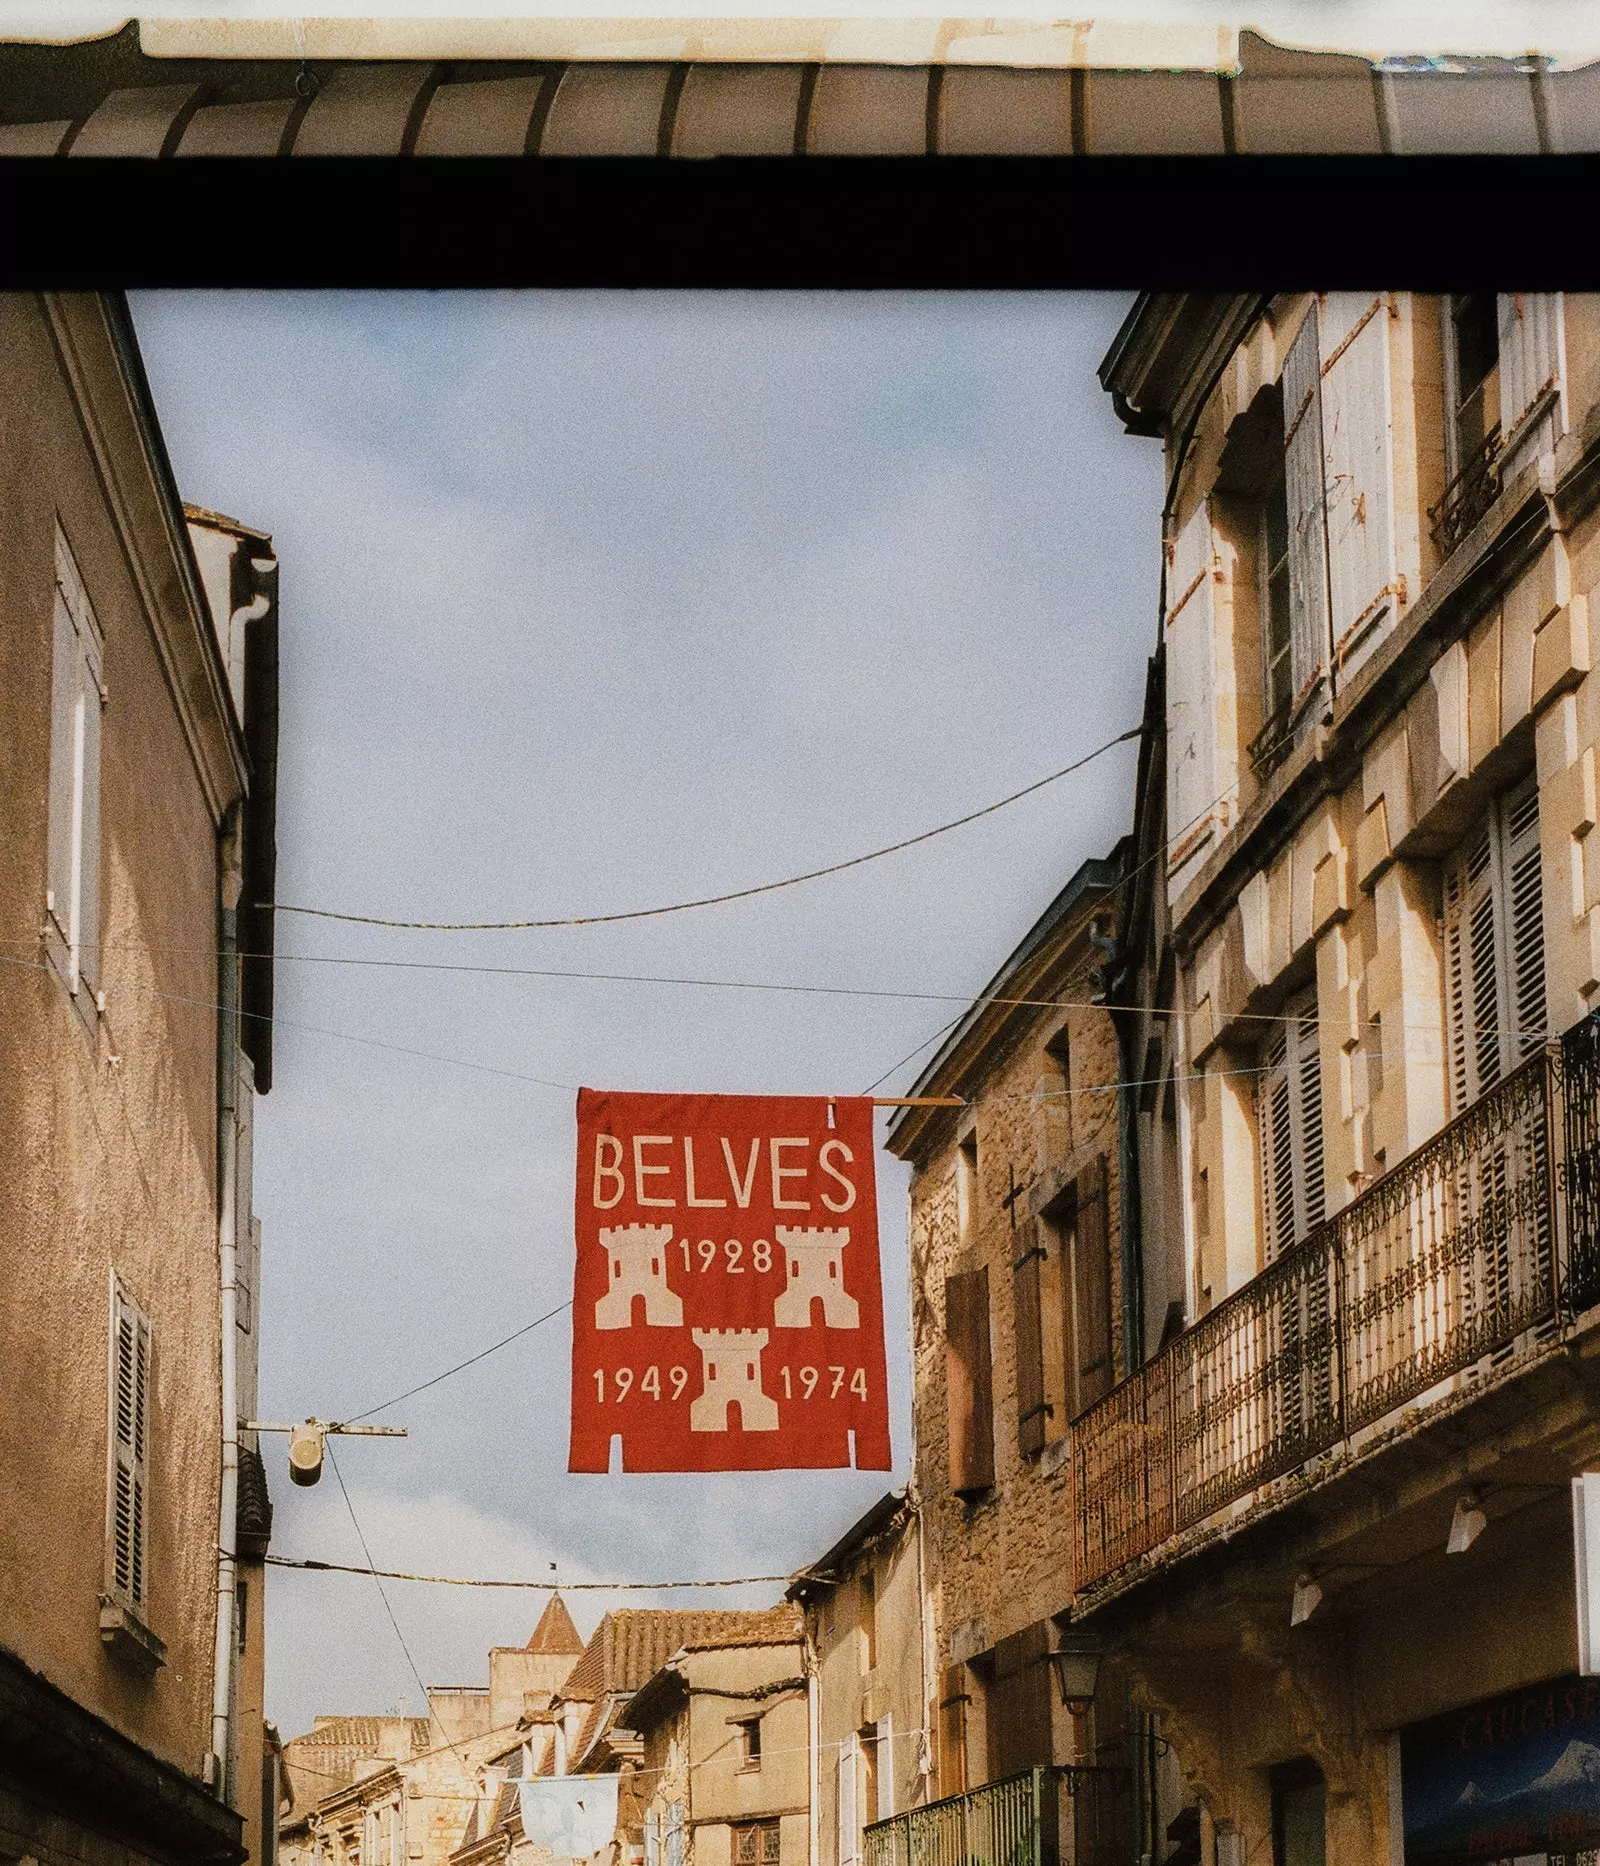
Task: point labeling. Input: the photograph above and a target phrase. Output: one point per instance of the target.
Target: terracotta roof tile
(555, 1632)
(632, 1645)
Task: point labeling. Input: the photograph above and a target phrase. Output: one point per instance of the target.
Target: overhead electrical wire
(708, 900)
(472, 1360)
(547, 1587)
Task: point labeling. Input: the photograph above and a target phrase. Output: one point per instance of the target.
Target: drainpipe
(232, 864)
(813, 1757)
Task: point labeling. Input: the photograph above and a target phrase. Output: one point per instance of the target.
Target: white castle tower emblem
(638, 1268)
(815, 1272)
(732, 1358)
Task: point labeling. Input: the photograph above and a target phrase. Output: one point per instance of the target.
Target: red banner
(727, 1305)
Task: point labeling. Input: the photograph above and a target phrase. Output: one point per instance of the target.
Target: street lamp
(1076, 1664)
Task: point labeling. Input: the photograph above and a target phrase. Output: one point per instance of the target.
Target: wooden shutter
(64, 691)
(1091, 1289)
(953, 1700)
(884, 1742)
(1032, 1407)
(88, 916)
(1304, 495)
(130, 1449)
(1494, 946)
(849, 1832)
(1192, 784)
(1289, 1131)
(1358, 473)
(1018, 1703)
(1530, 365)
(1524, 920)
(968, 1381)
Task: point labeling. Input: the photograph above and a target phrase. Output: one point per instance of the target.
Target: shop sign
(727, 1301)
(1512, 1781)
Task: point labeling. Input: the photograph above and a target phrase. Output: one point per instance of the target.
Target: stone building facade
(136, 760)
(1322, 1528)
(1017, 1292)
(865, 1637)
(725, 1762)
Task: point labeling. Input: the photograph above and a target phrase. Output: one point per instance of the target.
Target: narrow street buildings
(137, 739)
(865, 1635)
(1018, 1296)
(1323, 1526)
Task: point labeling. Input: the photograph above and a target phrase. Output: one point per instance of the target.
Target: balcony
(1468, 496)
(1467, 1255)
(1014, 1822)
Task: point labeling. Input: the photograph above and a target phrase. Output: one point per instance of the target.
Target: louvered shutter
(1032, 1407)
(1358, 473)
(1525, 920)
(1494, 946)
(1091, 1277)
(130, 1442)
(88, 917)
(1289, 1130)
(1192, 784)
(968, 1381)
(849, 1833)
(652, 1838)
(1304, 494)
(1530, 365)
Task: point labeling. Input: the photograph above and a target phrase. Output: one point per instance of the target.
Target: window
(1277, 670)
(867, 1774)
(1474, 368)
(1034, 1411)
(1299, 1794)
(749, 1742)
(127, 1531)
(1017, 1702)
(1086, 1294)
(869, 1620)
(1494, 946)
(967, 1187)
(241, 1612)
(72, 885)
(968, 1382)
(1289, 1128)
(755, 1843)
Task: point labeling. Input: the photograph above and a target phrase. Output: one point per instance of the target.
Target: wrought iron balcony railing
(1008, 1823)
(1468, 496)
(1454, 1255)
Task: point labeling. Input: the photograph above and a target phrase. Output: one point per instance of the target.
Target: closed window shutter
(968, 1381)
(1358, 473)
(675, 1834)
(884, 1738)
(1304, 493)
(1032, 1407)
(1525, 920)
(953, 1699)
(1192, 783)
(130, 1439)
(1289, 1130)
(1530, 365)
(88, 927)
(1494, 946)
(64, 691)
(652, 1838)
(1091, 1278)
(1018, 1703)
(849, 1833)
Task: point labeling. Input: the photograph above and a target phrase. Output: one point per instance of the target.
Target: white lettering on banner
(780, 1172)
(786, 1169)
(742, 1187)
(603, 1170)
(837, 1146)
(688, 1175)
(641, 1172)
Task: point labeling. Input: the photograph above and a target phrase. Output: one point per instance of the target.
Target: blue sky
(591, 602)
